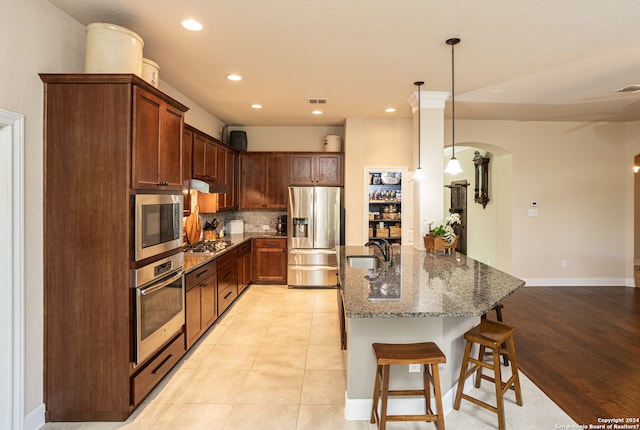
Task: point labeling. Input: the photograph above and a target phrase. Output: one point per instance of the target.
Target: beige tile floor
(273, 361)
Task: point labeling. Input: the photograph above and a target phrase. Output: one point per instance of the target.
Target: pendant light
(453, 167)
(418, 175)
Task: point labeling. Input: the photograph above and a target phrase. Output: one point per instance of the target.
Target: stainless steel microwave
(158, 224)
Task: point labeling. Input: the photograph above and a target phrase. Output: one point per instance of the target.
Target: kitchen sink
(363, 261)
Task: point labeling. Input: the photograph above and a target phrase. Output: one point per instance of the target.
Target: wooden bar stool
(498, 309)
(490, 334)
(427, 354)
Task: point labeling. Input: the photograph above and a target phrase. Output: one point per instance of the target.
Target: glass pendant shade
(418, 175)
(453, 167)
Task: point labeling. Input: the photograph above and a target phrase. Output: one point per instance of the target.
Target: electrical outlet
(265, 227)
(414, 368)
(564, 264)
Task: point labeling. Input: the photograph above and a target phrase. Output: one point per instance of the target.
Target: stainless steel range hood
(209, 187)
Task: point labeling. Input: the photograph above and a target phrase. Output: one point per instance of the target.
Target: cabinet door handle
(202, 273)
(228, 294)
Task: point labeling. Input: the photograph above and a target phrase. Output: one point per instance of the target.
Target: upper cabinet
(263, 180)
(309, 168)
(187, 168)
(228, 172)
(205, 158)
(157, 137)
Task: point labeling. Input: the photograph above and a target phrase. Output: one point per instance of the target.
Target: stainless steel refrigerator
(313, 234)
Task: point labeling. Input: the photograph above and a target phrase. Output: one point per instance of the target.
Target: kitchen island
(416, 297)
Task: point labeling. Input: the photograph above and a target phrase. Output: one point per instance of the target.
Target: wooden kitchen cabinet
(187, 169)
(270, 260)
(324, 169)
(200, 301)
(92, 155)
(205, 157)
(244, 265)
(263, 180)
(227, 171)
(227, 279)
(157, 147)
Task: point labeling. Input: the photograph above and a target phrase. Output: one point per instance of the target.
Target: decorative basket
(391, 215)
(433, 244)
(395, 232)
(382, 232)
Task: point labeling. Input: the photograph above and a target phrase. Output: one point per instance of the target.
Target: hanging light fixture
(453, 167)
(418, 175)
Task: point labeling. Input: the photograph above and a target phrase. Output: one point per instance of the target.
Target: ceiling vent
(317, 101)
(629, 89)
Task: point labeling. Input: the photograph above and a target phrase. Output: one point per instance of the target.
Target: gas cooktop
(207, 246)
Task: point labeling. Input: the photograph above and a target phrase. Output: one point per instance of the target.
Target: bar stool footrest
(480, 403)
(398, 418)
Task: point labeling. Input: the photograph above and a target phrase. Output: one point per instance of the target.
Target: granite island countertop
(418, 284)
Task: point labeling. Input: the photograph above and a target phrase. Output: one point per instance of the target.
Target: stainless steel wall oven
(159, 304)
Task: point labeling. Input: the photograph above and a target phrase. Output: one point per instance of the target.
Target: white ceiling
(518, 59)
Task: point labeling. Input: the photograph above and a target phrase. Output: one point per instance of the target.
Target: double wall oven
(158, 288)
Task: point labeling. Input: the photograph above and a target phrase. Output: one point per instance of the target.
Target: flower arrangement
(445, 231)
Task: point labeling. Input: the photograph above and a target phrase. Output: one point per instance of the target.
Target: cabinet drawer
(245, 248)
(271, 243)
(200, 274)
(143, 382)
(226, 296)
(227, 258)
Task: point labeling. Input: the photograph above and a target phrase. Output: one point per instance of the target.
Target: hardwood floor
(581, 347)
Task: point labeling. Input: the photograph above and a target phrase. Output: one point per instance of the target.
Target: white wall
(576, 172)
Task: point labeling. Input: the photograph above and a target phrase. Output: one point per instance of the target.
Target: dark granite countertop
(417, 284)
(194, 260)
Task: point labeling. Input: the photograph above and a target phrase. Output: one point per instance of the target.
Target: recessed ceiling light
(390, 110)
(256, 106)
(317, 112)
(234, 77)
(191, 24)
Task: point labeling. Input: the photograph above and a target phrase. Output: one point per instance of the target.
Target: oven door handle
(160, 284)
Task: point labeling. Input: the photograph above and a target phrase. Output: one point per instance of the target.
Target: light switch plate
(533, 212)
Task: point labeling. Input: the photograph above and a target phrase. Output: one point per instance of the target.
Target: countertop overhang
(418, 284)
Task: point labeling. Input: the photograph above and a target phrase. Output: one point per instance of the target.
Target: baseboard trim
(34, 419)
(360, 409)
(579, 282)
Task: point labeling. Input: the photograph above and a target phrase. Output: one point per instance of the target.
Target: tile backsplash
(253, 220)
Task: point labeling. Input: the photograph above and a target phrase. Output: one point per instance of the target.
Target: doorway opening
(11, 269)
(385, 187)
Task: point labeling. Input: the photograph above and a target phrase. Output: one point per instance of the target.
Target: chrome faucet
(385, 247)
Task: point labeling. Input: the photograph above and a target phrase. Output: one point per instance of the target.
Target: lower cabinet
(270, 261)
(200, 301)
(244, 266)
(146, 379)
(227, 279)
